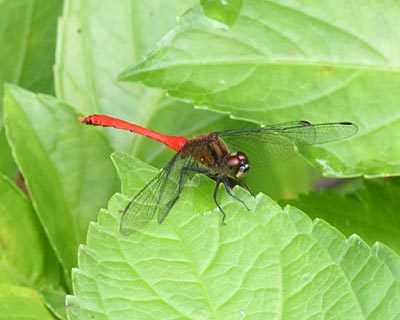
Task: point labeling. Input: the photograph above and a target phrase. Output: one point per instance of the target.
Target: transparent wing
(158, 196)
(277, 143)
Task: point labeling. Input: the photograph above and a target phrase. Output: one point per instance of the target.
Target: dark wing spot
(304, 123)
(346, 123)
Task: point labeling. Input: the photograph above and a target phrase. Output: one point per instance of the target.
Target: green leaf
(86, 68)
(370, 211)
(55, 302)
(223, 11)
(266, 263)
(285, 61)
(65, 165)
(26, 255)
(17, 303)
(7, 164)
(27, 42)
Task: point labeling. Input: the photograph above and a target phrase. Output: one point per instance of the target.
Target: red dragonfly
(221, 155)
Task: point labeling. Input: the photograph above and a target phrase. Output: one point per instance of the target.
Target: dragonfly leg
(216, 201)
(243, 184)
(230, 192)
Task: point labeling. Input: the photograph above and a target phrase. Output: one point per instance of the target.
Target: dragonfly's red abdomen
(174, 142)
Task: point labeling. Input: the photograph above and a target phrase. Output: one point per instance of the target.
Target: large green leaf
(7, 164)
(372, 211)
(224, 11)
(96, 41)
(266, 263)
(55, 301)
(17, 303)
(65, 165)
(27, 42)
(285, 60)
(26, 256)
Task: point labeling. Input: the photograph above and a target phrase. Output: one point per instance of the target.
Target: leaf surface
(66, 167)
(27, 39)
(264, 263)
(27, 42)
(26, 255)
(370, 211)
(291, 60)
(27, 260)
(18, 303)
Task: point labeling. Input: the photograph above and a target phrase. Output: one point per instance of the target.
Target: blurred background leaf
(27, 40)
(371, 210)
(283, 61)
(22, 303)
(26, 257)
(224, 11)
(66, 167)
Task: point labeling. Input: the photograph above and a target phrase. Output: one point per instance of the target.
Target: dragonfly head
(238, 164)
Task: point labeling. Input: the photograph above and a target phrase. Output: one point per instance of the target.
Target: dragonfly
(220, 155)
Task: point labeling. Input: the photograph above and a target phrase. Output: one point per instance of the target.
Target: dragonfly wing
(305, 133)
(277, 143)
(157, 197)
(174, 182)
(142, 208)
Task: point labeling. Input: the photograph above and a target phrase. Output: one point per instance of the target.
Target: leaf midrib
(136, 70)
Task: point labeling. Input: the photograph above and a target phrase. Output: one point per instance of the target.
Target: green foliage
(371, 211)
(21, 303)
(27, 41)
(265, 264)
(26, 258)
(224, 11)
(214, 65)
(61, 171)
(281, 61)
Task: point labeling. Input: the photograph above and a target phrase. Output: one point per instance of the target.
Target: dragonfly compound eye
(238, 164)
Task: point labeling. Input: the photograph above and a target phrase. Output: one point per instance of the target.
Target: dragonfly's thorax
(210, 151)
